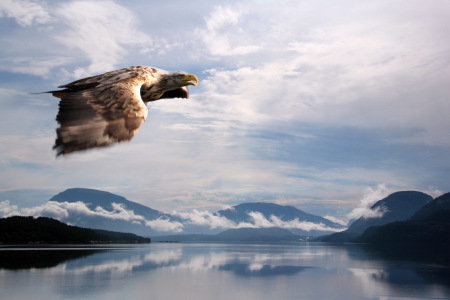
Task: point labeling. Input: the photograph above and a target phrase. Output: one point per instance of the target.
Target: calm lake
(216, 271)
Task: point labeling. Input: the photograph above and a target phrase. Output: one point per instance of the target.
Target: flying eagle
(105, 109)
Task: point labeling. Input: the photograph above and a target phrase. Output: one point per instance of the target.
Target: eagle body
(105, 109)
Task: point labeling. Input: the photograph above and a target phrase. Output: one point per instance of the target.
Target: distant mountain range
(112, 212)
(107, 216)
(240, 213)
(399, 206)
(409, 224)
(270, 234)
(247, 221)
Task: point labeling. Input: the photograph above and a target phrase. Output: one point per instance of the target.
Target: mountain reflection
(266, 270)
(121, 262)
(38, 259)
(160, 267)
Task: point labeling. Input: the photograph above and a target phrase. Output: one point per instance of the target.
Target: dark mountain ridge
(236, 235)
(426, 239)
(441, 202)
(20, 230)
(434, 229)
(399, 206)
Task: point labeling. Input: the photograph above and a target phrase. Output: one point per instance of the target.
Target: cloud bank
(222, 35)
(370, 197)
(70, 211)
(205, 218)
(26, 13)
(7, 210)
(102, 30)
(336, 220)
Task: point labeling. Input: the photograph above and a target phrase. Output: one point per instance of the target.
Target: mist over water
(216, 271)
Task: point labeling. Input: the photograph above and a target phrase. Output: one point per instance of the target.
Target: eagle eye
(180, 76)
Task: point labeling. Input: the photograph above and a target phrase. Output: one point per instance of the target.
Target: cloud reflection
(313, 269)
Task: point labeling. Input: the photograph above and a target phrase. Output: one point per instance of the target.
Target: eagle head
(179, 79)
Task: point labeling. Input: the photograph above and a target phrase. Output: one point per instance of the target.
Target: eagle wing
(101, 110)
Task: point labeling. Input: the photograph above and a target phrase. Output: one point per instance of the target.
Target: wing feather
(109, 111)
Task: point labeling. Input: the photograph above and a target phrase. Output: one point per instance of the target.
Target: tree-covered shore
(42, 230)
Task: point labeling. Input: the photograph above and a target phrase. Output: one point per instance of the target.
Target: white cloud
(205, 218)
(221, 16)
(370, 197)
(228, 207)
(261, 222)
(336, 220)
(33, 65)
(435, 192)
(7, 210)
(196, 127)
(221, 34)
(26, 13)
(161, 224)
(65, 211)
(343, 72)
(103, 30)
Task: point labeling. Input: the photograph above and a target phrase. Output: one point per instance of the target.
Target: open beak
(188, 80)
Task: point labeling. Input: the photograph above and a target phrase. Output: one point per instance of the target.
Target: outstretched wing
(100, 111)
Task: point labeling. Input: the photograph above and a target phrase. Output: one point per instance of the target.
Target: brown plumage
(105, 109)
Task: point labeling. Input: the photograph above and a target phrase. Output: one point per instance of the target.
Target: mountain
(240, 213)
(398, 206)
(193, 237)
(251, 234)
(108, 211)
(93, 198)
(434, 229)
(239, 234)
(18, 229)
(426, 239)
(118, 221)
(441, 202)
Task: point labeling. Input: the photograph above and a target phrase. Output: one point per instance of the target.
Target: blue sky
(306, 103)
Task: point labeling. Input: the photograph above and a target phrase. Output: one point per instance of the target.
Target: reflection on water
(38, 259)
(219, 271)
(261, 270)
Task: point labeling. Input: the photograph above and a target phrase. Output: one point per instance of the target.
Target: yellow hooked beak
(188, 78)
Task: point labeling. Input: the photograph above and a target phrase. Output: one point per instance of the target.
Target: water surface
(216, 271)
